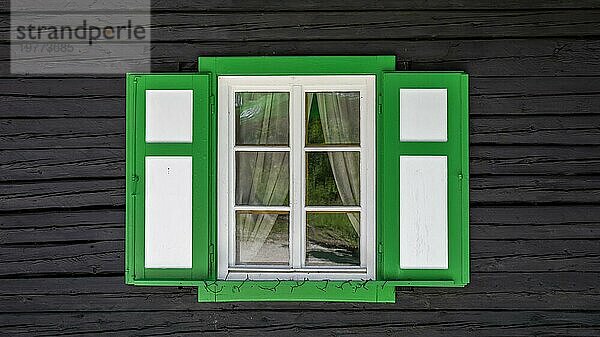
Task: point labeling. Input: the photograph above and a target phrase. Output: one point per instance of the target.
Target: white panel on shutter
(423, 212)
(168, 212)
(169, 116)
(423, 115)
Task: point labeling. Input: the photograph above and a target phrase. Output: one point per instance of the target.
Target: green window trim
(203, 152)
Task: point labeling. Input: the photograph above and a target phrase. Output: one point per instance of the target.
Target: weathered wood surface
(535, 172)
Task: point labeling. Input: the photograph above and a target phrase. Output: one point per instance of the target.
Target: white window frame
(297, 86)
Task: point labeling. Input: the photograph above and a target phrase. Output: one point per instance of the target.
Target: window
(296, 176)
(300, 178)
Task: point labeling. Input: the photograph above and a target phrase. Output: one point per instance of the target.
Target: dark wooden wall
(535, 172)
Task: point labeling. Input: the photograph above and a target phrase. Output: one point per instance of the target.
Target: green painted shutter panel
(422, 149)
(168, 180)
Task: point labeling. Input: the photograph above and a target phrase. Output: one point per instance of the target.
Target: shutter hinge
(380, 248)
(134, 180)
(379, 108)
(211, 100)
(211, 256)
(460, 176)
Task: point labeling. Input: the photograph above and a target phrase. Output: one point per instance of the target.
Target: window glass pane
(262, 118)
(262, 238)
(333, 118)
(332, 178)
(262, 178)
(332, 239)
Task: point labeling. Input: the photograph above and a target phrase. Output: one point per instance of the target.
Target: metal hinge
(211, 100)
(211, 256)
(134, 180)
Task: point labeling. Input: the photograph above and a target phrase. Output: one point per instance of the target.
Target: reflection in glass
(332, 239)
(262, 118)
(333, 178)
(262, 238)
(333, 118)
(262, 178)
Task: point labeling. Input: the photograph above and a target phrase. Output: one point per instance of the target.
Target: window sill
(321, 291)
(298, 274)
(317, 291)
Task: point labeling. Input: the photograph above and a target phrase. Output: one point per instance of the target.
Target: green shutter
(138, 149)
(389, 150)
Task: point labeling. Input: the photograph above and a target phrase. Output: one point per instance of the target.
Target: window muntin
(265, 177)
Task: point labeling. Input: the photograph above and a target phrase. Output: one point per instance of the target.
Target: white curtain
(339, 127)
(263, 177)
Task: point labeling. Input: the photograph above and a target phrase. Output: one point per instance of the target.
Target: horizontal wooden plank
(353, 5)
(534, 95)
(530, 291)
(514, 190)
(66, 87)
(533, 291)
(272, 5)
(315, 5)
(109, 133)
(486, 223)
(90, 258)
(294, 26)
(535, 255)
(92, 163)
(365, 25)
(22, 164)
(63, 258)
(534, 190)
(105, 97)
(21, 106)
(62, 226)
(114, 86)
(478, 57)
(534, 222)
(62, 194)
(305, 323)
(533, 160)
(498, 57)
(572, 130)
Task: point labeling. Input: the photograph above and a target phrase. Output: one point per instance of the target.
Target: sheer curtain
(263, 177)
(339, 128)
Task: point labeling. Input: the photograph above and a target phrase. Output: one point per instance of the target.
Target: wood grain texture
(90, 163)
(349, 5)
(300, 323)
(109, 133)
(535, 172)
(544, 291)
(551, 56)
